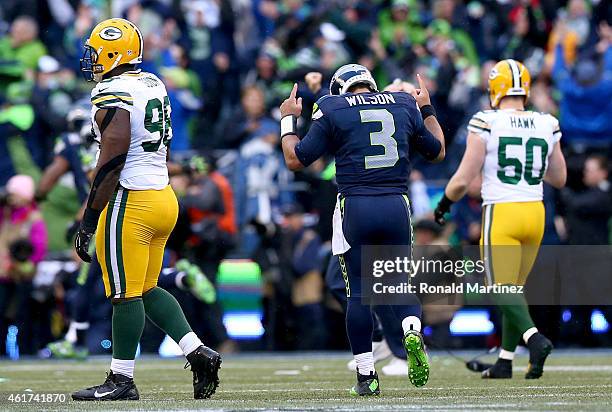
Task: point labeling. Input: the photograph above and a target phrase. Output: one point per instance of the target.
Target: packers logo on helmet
(112, 43)
(111, 33)
(508, 78)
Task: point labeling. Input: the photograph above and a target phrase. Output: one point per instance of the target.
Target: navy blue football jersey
(370, 135)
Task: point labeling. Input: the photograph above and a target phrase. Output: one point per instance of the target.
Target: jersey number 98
(160, 111)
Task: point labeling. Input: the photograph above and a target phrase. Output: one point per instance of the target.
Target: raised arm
(470, 167)
(114, 126)
(301, 153)
(421, 95)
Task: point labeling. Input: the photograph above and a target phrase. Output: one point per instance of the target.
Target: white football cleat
(380, 351)
(397, 367)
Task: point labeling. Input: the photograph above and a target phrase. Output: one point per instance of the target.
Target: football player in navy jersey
(370, 134)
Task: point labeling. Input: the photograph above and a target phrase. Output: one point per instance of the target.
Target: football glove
(443, 207)
(81, 243)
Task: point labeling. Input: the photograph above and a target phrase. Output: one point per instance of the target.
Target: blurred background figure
(23, 244)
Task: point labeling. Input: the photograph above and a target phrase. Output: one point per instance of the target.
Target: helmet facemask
(89, 67)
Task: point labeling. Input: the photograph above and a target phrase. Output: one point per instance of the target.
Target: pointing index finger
(294, 91)
(421, 82)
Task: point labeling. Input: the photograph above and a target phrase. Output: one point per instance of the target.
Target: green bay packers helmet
(112, 43)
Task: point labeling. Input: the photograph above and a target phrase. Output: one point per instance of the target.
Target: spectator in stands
(303, 247)
(249, 121)
(588, 211)
(23, 244)
(586, 92)
(16, 120)
(22, 48)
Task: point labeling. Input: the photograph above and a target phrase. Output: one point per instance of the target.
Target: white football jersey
(145, 97)
(518, 145)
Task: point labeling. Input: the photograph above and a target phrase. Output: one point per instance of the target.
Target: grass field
(577, 380)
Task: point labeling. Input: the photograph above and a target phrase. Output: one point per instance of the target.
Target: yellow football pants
(131, 237)
(510, 239)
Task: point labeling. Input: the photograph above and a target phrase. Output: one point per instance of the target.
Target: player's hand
(292, 105)
(313, 81)
(443, 207)
(72, 229)
(421, 94)
(81, 243)
(439, 215)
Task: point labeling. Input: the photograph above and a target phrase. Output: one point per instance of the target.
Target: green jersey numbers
(383, 138)
(157, 120)
(513, 169)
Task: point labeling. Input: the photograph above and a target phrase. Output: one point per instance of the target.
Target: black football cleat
(205, 364)
(476, 365)
(367, 385)
(115, 388)
(502, 369)
(539, 349)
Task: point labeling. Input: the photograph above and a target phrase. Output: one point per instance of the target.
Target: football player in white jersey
(132, 209)
(515, 150)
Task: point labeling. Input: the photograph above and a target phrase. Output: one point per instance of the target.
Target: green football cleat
(198, 283)
(63, 349)
(418, 363)
(367, 385)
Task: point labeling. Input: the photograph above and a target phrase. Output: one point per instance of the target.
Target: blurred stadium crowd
(227, 65)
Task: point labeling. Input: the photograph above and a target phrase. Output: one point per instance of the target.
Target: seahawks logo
(111, 33)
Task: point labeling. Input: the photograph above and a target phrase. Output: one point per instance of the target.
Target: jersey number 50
(504, 161)
(383, 138)
(160, 111)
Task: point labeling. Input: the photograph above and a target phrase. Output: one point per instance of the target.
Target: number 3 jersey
(371, 136)
(145, 97)
(518, 145)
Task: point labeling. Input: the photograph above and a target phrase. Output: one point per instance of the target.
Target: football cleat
(115, 388)
(476, 365)
(418, 363)
(205, 364)
(539, 349)
(63, 349)
(198, 283)
(502, 369)
(367, 385)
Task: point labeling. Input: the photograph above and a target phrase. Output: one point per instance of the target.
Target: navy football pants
(372, 220)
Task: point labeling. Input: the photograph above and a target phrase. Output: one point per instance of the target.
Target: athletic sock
(76, 333)
(123, 367)
(128, 324)
(189, 343)
(411, 323)
(365, 363)
(165, 312)
(506, 355)
(529, 333)
(359, 325)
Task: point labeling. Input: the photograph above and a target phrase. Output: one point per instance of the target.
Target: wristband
(428, 110)
(288, 125)
(445, 203)
(90, 220)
